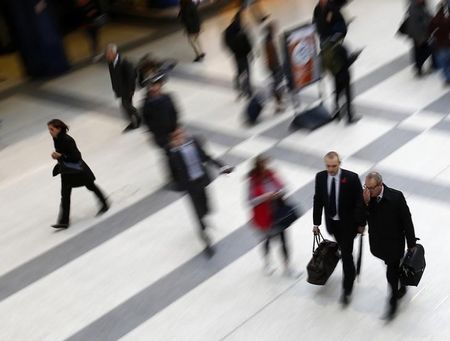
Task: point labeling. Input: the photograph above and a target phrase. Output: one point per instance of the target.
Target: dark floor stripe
(441, 105)
(153, 299)
(385, 145)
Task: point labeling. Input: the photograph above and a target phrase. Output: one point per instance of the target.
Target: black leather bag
(412, 266)
(324, 260)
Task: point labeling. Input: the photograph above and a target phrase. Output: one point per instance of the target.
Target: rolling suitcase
(324, 260)
(254, 108)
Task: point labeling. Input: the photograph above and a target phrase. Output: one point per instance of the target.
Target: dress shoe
(103, 210)
(60, 226)
(209, 251)
(345, 300)
(353, 120)
(128, 128)
(392, 311)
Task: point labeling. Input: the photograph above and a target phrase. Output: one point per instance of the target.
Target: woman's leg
(64, 214)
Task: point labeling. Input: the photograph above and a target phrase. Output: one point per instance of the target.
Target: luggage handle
(316, 240)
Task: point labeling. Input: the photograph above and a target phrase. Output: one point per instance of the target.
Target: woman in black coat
(74, 171)
(191, 20)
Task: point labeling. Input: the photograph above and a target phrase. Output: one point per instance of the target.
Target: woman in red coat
(264, 189)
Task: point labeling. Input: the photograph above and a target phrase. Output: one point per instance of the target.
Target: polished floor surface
(138, 272)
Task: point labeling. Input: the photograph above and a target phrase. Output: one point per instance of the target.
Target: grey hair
(375, 176)
(111, 47)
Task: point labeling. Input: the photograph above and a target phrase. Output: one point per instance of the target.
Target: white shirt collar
(116, 60)
(337, 176)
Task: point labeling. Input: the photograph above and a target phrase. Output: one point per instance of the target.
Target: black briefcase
(412, 266)
(324, 260)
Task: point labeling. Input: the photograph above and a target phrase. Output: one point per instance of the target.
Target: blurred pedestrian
(238, 42)
(190, 18)
(329, 21)
(274, 66)
(92, 20)
(123, 79)
(439, 30)
(390, 224)
(73, 170)
(265, 189)
(417, 28)
(337, 60)
(189, 160)
(338, 192)
(161, 117)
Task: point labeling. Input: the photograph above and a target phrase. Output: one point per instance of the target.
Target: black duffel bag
(324, 260)
(412, 266)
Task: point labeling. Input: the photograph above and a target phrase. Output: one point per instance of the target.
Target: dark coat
(389, 224)
(190, 18)
(123, 78)
(180, 167)
(237, 41)
(327, 29)
(350, 206)
(161, 116)
(66, 146)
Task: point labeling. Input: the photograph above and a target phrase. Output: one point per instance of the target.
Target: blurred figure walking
(417, 26)
(161, 117)
(73, 170)
(329, 21)
(440, 34)
(92, 19)
(189, 160)
(265, 189)
(238, 42)
(274, 66)
(123, 80)
(190, 18)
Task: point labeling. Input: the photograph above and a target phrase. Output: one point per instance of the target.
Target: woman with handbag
(265, 194)
(74, 171)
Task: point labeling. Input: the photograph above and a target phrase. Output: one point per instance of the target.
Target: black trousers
(393, 278)
(342, 85)
(284, 247)
(197, 193)
(130, 111)
(345, 236)
(242, 81)
(66, 191)
(162, 141)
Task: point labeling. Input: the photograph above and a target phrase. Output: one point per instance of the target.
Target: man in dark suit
(123, 80)
(390, 224)
(339, 193)
(189, 158)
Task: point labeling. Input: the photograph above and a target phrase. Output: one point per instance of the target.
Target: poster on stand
(303, 65)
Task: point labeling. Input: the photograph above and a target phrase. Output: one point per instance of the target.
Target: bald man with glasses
(338, 192)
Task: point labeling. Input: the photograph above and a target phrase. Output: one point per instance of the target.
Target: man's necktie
(332, 201)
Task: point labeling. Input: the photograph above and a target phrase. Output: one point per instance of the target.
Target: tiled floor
(138, 273)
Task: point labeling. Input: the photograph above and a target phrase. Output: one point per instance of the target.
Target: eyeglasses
(370, 188)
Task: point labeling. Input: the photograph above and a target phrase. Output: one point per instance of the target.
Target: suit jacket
(389, 224)
(350, 204)
(123, 78)
(181, 170)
